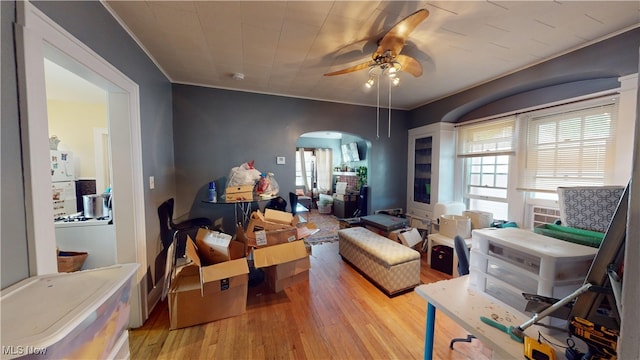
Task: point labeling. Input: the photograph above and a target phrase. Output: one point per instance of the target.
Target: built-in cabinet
(430, 167)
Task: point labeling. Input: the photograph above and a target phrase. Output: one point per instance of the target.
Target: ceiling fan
(387, 59)
(387, 56)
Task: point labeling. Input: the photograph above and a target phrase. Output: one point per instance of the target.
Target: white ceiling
(285, 47)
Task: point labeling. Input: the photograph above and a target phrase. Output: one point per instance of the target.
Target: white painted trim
(102, 169)
(39, 36)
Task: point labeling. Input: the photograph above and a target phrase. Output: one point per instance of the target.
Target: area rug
(327, 224)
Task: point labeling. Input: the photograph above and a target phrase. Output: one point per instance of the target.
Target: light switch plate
(152, 182)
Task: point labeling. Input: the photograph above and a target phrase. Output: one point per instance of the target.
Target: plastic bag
(244, 174)
(268, 185)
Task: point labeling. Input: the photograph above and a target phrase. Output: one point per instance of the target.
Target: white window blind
(485, 147)
(572, 147)
(495, 137)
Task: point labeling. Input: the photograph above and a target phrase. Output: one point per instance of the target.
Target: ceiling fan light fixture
(370, 82)
(395, 81)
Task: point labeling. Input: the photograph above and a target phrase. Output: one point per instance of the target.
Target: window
(486, 148)
(569, 147)
(308, 169)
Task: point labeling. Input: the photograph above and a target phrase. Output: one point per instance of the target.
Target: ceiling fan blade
(395, 38)
(410, 65)
(351, 69)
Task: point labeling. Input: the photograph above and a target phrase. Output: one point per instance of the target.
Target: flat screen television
(350, 152)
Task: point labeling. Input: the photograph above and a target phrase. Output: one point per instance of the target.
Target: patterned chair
(588, 207)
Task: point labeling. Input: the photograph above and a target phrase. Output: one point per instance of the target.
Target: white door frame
(37, 37)
(103, 170)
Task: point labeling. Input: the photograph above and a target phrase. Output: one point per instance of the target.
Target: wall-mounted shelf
(345, 173)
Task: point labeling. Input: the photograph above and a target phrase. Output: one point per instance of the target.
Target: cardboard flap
(278, 254)
(410, 238)
(227, 269)
(192, 252)
(278, 216)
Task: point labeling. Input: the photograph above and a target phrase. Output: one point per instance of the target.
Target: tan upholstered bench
(391, 266)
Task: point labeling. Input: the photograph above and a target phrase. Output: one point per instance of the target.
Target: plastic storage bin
(79, 315)
(505, 263)
(545, 257)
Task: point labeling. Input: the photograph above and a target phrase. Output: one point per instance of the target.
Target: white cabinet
(431, 159)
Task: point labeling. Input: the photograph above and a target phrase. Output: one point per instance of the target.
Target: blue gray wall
(584, 71)
(215, 130)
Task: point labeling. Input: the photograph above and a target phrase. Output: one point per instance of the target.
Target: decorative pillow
(588, 207)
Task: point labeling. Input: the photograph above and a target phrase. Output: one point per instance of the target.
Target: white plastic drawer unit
(525, 281)
(542, 256)
(528, 262)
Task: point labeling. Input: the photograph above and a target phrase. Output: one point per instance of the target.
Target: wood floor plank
(337, 314)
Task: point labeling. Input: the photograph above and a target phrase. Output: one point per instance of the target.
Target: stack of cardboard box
(278, 248)
(214, 284)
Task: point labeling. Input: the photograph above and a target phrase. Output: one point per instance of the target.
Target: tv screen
(346, 153)
(353, 151)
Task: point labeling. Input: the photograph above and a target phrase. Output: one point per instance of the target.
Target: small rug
(328, 225)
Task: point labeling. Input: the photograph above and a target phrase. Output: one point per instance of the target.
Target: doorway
(37, 38)
(348, 161)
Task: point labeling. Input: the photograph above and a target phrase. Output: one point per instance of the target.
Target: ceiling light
(390, 68)
(238, 76)
(370, 82)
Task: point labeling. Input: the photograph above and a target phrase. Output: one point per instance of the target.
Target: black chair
(169, 231)
(277, 203)
(462, 252)
(293, 201)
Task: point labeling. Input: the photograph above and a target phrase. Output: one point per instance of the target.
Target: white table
(465, 306)
(437, 239)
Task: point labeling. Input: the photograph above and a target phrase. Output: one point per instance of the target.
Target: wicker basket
(70, 261)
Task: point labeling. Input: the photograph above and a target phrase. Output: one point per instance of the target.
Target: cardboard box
(279, 217)
(275, 237)
(282, 276)
(278, 254)
(261, 232)
(200, 294)
(239, 193)
(216, 247)
(284, 264)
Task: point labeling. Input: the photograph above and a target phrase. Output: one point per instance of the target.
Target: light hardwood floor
(338, 314)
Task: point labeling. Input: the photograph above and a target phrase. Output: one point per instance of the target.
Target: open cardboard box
(263, 232)
(203, 293)
(284, 264)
